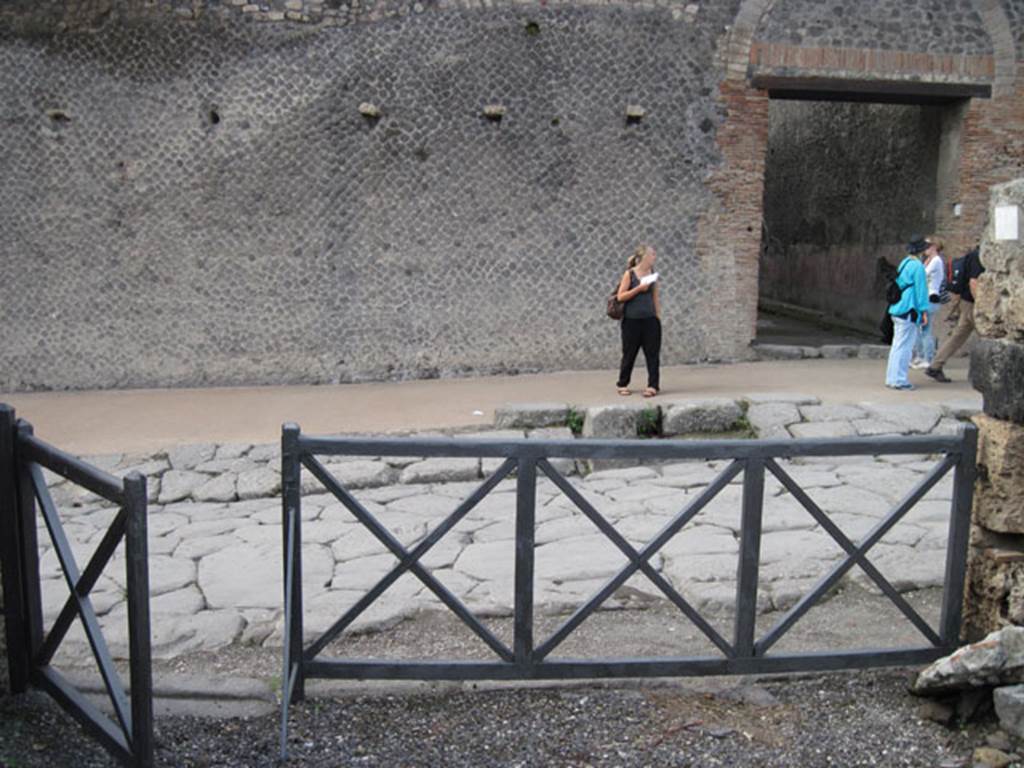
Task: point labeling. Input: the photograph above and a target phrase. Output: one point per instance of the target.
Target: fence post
(140, 661)
(10, 556)
(750, 557)
(526, 499)
(291, 468)
(32, 606)
(959, 533)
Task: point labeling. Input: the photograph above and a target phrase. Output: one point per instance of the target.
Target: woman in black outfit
(641, 323)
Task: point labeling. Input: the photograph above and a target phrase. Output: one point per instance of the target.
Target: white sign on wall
(1007, 222)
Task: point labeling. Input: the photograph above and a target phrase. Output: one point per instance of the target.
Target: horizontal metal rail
(470, 447)
(582, 669)
(529, 459)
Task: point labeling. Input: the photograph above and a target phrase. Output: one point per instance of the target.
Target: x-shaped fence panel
(743, 654)
(31, 650)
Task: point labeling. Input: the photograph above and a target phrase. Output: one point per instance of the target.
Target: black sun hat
(917, 245)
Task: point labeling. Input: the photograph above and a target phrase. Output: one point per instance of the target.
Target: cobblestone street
(215, 528)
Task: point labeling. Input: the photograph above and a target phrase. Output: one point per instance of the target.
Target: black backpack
(893, 292)
(957, 282)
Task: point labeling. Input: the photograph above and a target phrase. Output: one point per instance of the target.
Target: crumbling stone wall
(996, 574)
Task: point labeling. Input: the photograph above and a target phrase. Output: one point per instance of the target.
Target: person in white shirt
(935, 272)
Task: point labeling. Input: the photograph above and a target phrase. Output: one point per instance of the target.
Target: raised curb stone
(872, 352)
(778, 352)
(530, 415)
(840, 351)
(612, 421)
(793, 398)
(711, 415)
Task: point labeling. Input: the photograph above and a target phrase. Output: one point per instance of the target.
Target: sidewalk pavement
(147, 420)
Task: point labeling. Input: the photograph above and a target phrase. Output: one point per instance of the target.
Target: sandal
(650, 392)
(624, 392)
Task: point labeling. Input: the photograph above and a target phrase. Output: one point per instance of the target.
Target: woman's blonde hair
(932, 240)
(638, 254)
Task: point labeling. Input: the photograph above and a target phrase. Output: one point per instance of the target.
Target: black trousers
(636, 334)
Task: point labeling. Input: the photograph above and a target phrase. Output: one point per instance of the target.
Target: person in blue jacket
(909, 314)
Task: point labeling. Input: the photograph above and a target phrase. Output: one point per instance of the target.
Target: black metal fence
(31, 649)
(743, 653)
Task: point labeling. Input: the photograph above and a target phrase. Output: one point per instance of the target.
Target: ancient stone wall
(192, 195)
(196, 204)
(996, 577)
(928, 25)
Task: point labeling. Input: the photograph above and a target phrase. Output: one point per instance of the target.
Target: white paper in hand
(648, 279)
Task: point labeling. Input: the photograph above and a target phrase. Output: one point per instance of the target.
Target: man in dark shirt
(965, 325)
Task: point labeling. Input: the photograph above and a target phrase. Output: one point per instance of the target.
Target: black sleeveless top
(640, 306)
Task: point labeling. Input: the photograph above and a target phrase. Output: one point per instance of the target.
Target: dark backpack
(893, 292)
(957, 275)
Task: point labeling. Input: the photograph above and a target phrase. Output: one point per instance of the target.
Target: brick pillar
(995, 589)
(729, 231)
(991, 152)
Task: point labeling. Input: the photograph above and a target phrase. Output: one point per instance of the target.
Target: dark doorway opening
(850, 177)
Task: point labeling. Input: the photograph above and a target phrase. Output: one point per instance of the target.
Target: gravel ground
(843, 719)
(859, 719)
